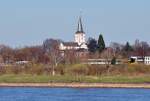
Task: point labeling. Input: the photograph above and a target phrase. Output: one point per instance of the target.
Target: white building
(139, 59)
(68, 46)
(101, 61)
(79, 39)
(147, 60)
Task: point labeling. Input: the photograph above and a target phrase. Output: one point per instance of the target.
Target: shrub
(113, 61)
(96, 69)
(16, 69)
(2, 70)
(77, 69)
(60, 69)
(138, 68)
(37, 69)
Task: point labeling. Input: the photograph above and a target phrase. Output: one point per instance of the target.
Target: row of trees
(46, 53)
(116, 51)
(34, 53)
(139, 48)
(49, 51)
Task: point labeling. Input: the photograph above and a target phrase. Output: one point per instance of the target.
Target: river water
(73, 94)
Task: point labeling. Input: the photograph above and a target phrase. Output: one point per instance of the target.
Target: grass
(28, 78)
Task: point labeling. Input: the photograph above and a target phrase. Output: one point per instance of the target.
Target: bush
(37, 69)
(77, 69)
(113, 61)
(138, 68)
(2, 70)
(60, 69)
(16, 69)
(96, 69)
(117, 69)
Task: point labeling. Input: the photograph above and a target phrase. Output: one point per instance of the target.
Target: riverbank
(76, 85)
(113, 79)
(108, 81)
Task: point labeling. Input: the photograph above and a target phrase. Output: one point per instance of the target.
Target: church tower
(80, 35)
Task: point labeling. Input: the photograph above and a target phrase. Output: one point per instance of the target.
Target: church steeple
(80, 35)
(80, 26)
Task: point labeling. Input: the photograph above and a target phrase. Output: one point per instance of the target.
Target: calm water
(73, 94)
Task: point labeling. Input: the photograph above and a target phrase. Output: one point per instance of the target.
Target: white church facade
(79, 40)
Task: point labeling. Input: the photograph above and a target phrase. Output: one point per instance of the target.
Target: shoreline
(77, 85)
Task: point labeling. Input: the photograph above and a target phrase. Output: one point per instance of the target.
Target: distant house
(101, 61)
(22, 62)
(138, 59)
(147, 60)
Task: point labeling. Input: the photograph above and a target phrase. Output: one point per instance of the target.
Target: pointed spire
(80, 27)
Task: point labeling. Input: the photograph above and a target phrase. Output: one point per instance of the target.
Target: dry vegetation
(32, 73)
(77, 69)
(45, 63)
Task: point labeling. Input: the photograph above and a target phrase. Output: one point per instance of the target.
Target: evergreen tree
(101, 43)
(128, 47)
(113, 61)
(92, 45)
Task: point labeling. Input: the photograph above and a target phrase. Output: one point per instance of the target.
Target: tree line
(47, 57)
(48, 52)
(97, 46)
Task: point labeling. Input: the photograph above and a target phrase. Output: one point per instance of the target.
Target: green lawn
(27, 78)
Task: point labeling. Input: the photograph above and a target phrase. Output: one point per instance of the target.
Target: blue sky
(29, 22)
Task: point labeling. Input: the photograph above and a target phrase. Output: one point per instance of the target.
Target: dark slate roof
(80, 26)
(74, 44)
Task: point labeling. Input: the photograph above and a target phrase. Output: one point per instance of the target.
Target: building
(80, 36)
(147, 60)
(101, 61)
(138, 59)
(68, 46)
(79, 40)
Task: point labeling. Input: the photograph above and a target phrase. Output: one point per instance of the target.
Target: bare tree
(69, 56)
(141, 48)
(107, 55)
(51, 47)
(32, 53)
(116, 48)
(7, 53)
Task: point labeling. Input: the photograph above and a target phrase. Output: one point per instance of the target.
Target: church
(79, 40)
